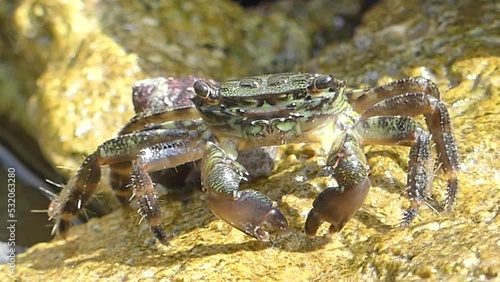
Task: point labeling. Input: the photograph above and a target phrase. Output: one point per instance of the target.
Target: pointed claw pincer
(248, 210)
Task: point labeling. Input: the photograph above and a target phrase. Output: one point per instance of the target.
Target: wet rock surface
(453, 44)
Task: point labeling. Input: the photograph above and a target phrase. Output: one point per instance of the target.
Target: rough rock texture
(455, 44)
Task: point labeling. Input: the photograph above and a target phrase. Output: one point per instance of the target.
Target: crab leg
(144, 120)
(246, 210)
(146, 151)
(363, 99)
(438, 122)
(336, 205)
(411, 97)
(75, 194)
(399, 130)
(120, 171)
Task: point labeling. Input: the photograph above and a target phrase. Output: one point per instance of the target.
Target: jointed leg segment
(401, 130)
(139, 153)
(408, 98)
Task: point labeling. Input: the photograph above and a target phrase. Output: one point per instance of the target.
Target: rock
(453, 44)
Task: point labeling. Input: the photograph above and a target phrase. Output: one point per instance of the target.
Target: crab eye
(323, 82)
(206, 91)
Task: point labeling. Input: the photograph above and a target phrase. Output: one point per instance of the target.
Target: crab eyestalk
(248, 210)
(321, 83)
(206, 91)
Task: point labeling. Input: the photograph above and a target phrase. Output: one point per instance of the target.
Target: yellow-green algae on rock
(454, 44)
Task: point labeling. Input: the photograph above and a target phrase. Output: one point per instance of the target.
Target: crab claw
(335, 207)
(249, 211)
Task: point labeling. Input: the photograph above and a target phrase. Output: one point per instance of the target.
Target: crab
(223, 119)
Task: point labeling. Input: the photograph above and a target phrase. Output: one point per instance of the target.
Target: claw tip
(277, 220)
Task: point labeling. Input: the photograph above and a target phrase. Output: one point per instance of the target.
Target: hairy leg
(399, 130)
